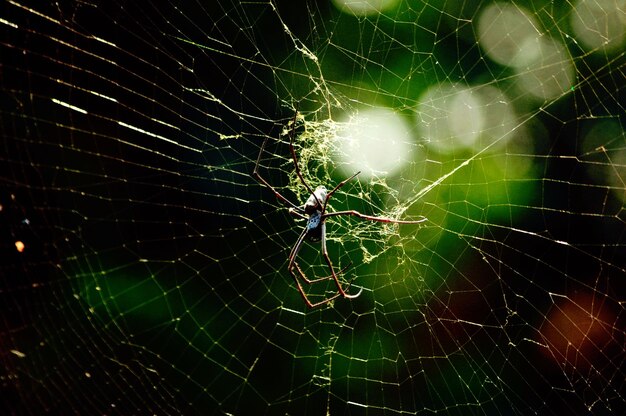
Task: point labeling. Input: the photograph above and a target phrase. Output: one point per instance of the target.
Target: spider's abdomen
(313, 203)
(314, 227)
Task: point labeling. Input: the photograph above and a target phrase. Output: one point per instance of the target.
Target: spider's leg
(330, 266)
(327, 300)
(318, 279)
(371, 217)
(292, 264)
(298, 213)
(322, 302)
(259, 178)
(342, 183)
(295, 159)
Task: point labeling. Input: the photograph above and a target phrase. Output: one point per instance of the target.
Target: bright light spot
(518, 155)
(365, 7)
(449, 116)
(504, 31)
(20, 246)
(376, 141)
(551, 74)
(600, 24)
(452, 116)
(510, 36)
(602, 142)
(18, 353)
(467, 118)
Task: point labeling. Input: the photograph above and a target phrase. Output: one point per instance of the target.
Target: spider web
(144, 270)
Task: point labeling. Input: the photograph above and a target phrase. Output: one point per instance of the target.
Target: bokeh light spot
(454, 117)
(365, 7)
(19, 246)
(576, 330)
(600, 24)
(376, 141)
(551, 74)
(510, 36)
(504, 31)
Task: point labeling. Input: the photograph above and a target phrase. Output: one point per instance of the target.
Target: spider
(314, 212)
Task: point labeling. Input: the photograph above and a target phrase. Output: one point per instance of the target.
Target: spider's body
(314, 211)
(314, 208)
(316, 201)
(314, 227)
